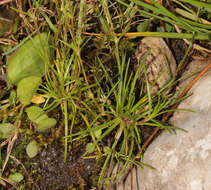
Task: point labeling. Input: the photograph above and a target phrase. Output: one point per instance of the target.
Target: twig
(9, 181)
(173, 35)
(11, 111)
(10, 145)
(19, 162)
(5, 142)
(195, 46)
(5, 2)
(137, 123)
(5, 41)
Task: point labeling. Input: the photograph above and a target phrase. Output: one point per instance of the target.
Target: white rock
(182, 160)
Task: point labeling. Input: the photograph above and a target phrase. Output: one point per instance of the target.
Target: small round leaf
(107, 150)
(6, 129)
(32, 149)
(16, 177)
(90, 147)
(97, 133)
(27, 88)
(45, 124)
(34, 113)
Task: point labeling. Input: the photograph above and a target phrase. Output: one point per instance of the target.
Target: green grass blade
(198, 3)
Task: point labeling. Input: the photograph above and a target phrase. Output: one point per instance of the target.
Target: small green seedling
(32, 149)
(6, 129)
(38, 116)
(16, 177)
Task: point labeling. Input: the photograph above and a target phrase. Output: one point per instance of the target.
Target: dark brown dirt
(54, 174)
(178, 48)
(49, 172)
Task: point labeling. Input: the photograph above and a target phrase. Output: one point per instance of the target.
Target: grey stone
(182, 161)
(159, 61)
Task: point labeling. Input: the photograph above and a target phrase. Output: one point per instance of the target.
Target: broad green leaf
(32, 149)
(42, 117)
(16, 177)
(27, 88)
(6, 129)
(168, 27)
(29, 59)
(98, 133)
(90, 147)
(143, 27)
(34, 113)
(38, 116)
(45, 124)
(107, 150)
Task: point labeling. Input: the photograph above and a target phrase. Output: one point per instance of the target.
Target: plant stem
(159, 35)
(66, 129)
(167, 35)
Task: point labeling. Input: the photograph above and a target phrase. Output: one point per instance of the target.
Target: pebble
(160, 63)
